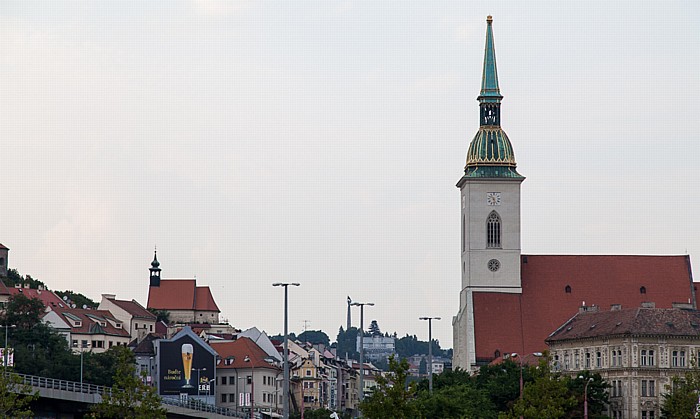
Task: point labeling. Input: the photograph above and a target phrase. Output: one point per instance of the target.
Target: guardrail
(76, 387)
(198, 405)
(57, 384)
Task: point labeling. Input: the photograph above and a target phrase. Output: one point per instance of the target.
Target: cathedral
(511, 302)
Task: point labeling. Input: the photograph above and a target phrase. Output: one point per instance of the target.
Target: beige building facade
(636, 351)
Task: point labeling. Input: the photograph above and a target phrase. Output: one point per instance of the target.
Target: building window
(648, 388)
(308, 373)
(223, 398)
(74, 343)
(567, 289)
(598, 359)
(643, 290)
(249, 379)
(647, 358)
(223, 380)
(84, 343)
(588, 360)
(678, 359)
(493, 231)
(576, 360)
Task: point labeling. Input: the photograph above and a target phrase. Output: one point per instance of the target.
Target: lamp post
(285, 354)
(199, 385)
(520, 358)
(252, 385)
(585, 395)
(6, 354)
(362, 345)
(430, 350)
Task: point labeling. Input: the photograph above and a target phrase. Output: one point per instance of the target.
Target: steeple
(490, 153)
(155, 270)
(489, 77)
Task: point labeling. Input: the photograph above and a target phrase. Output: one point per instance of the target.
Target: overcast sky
(320, 142)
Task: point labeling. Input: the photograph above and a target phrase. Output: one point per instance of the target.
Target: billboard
(186, 365)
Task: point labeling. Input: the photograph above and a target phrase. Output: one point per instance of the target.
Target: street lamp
(585, 395)
(82, 349)
(362, 345)
(285, 385)
(520, 358)
(430, 350)
(6, 353)
(252, 385)
(199, 382)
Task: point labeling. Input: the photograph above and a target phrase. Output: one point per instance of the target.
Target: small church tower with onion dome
(490, 216)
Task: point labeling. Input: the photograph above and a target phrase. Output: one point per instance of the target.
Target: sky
(320, 142)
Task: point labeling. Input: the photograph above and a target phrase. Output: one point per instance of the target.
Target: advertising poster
(187, 366)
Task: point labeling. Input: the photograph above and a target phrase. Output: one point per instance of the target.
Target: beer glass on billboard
(187, 352)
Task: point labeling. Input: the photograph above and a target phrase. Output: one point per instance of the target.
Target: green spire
(489, 78)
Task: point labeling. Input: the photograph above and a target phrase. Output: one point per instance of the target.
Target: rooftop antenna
(306, 325)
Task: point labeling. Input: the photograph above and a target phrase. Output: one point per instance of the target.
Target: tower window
(493, 231)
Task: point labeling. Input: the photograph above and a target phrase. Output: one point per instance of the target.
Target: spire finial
(489, 78)
(155, 264)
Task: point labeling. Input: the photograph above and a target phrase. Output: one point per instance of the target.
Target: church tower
(155, 271)
(490, 216)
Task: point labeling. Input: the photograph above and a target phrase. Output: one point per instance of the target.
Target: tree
(23, 312)
(374, 329)
(423, 367)
(597, 394)
(130, 396)
(681, 398)
(314, 337)
(546, 397)
(347, 343)
(15, 396)
(392, 397)
(456, 401)
(161, 315)
(77, 298)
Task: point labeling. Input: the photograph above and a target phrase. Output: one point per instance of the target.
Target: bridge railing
(76, 387)
(194, 404)
(65, 385)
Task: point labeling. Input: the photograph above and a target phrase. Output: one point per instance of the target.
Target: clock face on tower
(493, 198)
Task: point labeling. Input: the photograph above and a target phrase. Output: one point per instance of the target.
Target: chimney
(648, 304)
(615, 307)
(588, 309)
(109, 296)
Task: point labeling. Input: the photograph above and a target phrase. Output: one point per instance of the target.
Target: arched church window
(464, 233)
(643, 290)
(493, 231)
(567, 289)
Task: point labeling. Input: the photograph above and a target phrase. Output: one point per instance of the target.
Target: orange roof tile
(181, 294)
(88, 323)
(204, 301)
(544, 304)
(135, 309)
(172, 294)
(239, 349)
(49, 299)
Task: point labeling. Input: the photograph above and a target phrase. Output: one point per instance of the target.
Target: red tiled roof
(181, 294)
(3, 289)
(49, 299)
(135, 309)
(204, 301)
(88, 324)
(637, 321)
(239, 349)
(597, 280)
